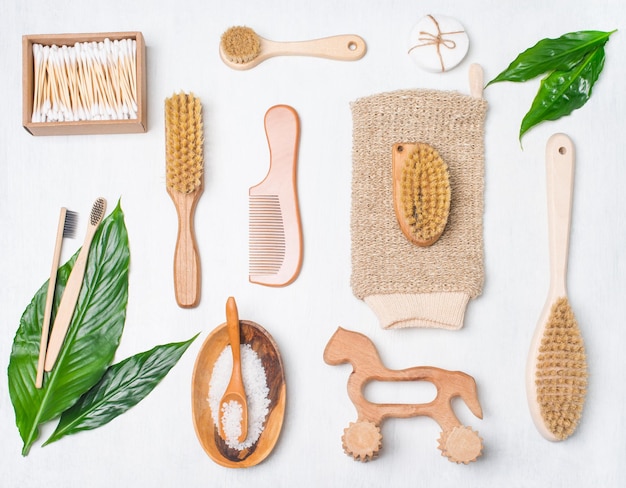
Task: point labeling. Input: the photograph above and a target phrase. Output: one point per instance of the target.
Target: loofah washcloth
(406, 285)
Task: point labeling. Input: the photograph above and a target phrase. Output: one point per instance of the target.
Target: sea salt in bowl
(248, 454)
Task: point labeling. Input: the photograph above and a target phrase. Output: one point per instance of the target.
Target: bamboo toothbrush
(275, 228)
(73, 286)
(184, 179)
(556, 379)
(66, 228)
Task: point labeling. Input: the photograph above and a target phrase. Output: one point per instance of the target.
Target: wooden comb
(275, 228)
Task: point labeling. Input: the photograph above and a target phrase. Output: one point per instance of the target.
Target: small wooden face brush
(556, 380)
(184, 179)
(72, 288)
(242, 48)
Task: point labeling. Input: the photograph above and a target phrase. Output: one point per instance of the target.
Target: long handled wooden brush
(556, 381)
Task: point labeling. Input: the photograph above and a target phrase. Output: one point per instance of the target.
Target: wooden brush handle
(68, 301)
(476, 80)
(560, 155)
(187, 275)
(45, 326)
(342, 48)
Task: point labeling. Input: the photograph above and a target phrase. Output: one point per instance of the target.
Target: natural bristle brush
(65, 229)
(184, 159)
(556, 379)
(421, 183)
(242, 48)
(72, 287)
(421, 188)
(275, 228)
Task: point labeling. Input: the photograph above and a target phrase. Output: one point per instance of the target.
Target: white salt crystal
(257, 391)
(232, 414)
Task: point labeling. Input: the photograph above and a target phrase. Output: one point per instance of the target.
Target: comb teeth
(267, 235)
(69, 226)
(97, 211)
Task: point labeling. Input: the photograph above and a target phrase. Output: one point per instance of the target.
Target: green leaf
(562, 92)
(92, 338)
(123, 386)
(561, 54)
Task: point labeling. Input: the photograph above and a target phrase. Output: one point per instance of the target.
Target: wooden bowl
(206, 431)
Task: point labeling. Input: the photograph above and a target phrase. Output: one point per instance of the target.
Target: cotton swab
(86, 81)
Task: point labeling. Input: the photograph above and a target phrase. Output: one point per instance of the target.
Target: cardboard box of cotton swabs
(84, 83)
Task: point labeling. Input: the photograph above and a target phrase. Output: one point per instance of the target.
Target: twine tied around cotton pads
(440, 38)
(86, 81)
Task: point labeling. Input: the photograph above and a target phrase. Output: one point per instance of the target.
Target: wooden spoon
(235, 391)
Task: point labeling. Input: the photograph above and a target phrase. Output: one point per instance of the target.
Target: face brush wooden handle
(342, 48)
(72, 287)
(187, 273)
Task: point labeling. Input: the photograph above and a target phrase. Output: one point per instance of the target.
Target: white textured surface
(154, 444)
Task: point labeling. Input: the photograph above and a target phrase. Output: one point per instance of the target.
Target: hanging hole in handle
(352, 46)
(562, 150)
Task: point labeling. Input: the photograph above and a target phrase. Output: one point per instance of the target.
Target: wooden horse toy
(363, 439)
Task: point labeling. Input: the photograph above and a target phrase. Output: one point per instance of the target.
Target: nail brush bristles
(183, 142)
(425, 194)
(87, 81)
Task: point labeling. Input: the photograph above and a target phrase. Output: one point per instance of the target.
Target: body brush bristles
(184, 146)
(561, 375)
(421, 192)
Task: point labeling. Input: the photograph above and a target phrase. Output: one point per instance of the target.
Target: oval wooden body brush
(242, 48)
(184, 165)
(421, 192)
(556, 377)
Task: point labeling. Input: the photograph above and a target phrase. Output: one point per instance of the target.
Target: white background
(154, 443)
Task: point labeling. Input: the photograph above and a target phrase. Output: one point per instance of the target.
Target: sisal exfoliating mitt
(404, 284)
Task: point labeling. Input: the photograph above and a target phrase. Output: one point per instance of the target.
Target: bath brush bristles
(184, 170)
(561, 375)
(556, 377)
(421, 192)
(184, 143)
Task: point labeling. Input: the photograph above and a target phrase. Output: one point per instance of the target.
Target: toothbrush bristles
(69, 226)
